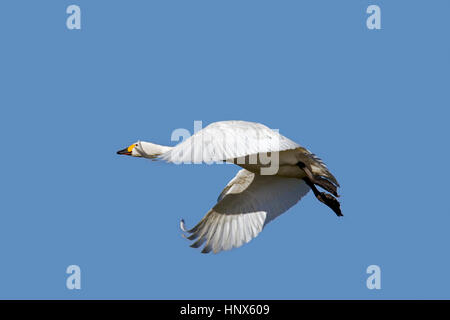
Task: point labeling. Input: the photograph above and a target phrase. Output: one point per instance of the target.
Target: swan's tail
(318, 167)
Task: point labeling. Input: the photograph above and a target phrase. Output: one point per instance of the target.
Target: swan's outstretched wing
(227, 140)
(244, 207)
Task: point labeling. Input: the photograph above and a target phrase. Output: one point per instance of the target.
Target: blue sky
(374, 104)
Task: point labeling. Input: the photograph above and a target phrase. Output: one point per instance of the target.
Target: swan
(260, 191)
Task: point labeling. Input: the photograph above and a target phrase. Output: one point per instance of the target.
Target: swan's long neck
(151, 150)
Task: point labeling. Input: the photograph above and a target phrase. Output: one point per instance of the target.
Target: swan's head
(131, 150)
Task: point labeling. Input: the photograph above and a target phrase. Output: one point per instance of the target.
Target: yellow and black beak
(127, 151)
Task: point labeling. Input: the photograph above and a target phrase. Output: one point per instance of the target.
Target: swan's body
(259, 192)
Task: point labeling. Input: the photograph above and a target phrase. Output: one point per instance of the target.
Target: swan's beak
(127, 151)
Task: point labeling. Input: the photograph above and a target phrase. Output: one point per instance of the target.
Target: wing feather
(226, 140)
(246, 205)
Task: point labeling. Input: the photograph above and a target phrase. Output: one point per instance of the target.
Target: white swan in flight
(252, 198)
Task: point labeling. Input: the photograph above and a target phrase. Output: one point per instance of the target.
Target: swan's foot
(323, 197)
(326, 185)
(331, 202)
